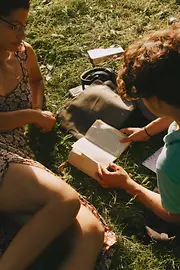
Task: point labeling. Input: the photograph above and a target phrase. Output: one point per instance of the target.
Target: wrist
(147, 132)
(133, 188)
(128, 183)
(36, 107)
(34, 116)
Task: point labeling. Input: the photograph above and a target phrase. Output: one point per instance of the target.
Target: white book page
(107, 138)
(150, 162)
(83, 163)
(93, 151)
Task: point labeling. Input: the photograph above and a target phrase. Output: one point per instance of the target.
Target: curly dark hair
(152, 67)
(7, 6)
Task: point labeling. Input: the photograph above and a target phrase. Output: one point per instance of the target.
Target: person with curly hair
(151, 72)
(26, 186)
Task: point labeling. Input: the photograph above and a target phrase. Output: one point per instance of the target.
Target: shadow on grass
(42, 144)
(128, 219)
(125, 216)
(51, 257)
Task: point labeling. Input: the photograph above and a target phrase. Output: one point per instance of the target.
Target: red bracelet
(145, 129)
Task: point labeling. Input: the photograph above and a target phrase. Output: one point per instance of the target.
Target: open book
(101, 144)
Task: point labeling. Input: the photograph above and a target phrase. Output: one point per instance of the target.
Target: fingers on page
(124, 140)
(127, 131)
(105, 171)
(114, 166)
(102, 171)
(99, 179)
(99, 172)
(123, 130)
(99, 176)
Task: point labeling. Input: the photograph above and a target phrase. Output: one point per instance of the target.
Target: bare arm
(11, 120)
(43, 119)
(35, 78)
(15, 119)
(152, 200)
(120, 179)
(153, 128)
(159, 125)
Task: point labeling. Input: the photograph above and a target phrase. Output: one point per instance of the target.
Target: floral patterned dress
(13, 145)
(14, 149)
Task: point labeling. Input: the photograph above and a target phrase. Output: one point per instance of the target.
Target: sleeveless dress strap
(22, 56)
(22, 52)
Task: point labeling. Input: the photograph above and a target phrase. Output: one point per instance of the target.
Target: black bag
(99, 101)
(96, 102)
(99, 75)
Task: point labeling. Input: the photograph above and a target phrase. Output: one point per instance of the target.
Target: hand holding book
(118, 178)
(134, 135)
(101, 144)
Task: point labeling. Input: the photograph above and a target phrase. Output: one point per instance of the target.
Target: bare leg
(29, 189)
(89, 240)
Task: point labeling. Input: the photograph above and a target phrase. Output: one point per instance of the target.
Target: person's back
(168, 170)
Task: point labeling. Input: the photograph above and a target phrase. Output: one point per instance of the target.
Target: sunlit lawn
(61, 32)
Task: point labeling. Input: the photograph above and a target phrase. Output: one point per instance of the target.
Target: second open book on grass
(101, 144)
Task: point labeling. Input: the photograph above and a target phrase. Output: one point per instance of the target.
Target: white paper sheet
(150, 162)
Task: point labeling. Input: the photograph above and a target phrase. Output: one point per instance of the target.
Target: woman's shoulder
(31, 57)
(31, 62)
(28, 48)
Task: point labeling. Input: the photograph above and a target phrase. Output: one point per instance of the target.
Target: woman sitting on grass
(151, 71)
(25, 185)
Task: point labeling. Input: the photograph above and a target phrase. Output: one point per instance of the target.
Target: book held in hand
(101, 144)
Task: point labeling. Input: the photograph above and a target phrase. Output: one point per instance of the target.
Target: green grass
(61, 32)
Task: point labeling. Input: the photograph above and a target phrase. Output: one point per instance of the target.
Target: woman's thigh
(26, 189)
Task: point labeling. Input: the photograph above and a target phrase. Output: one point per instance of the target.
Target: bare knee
(37, 189)
(72, 201)
(96, 231)
(66, 199)
(91, 227)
